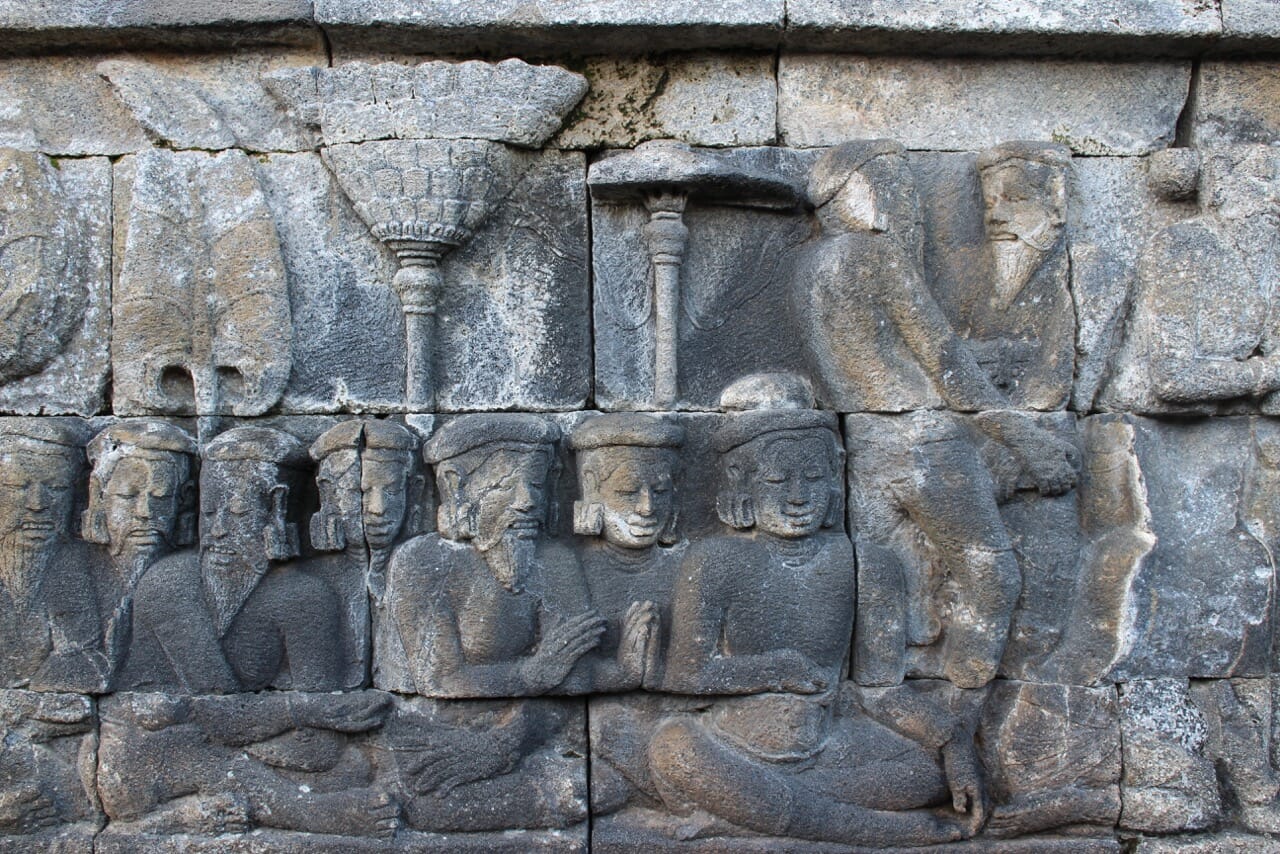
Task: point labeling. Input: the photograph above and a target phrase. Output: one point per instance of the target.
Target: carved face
(339, 483)
(1024, 201)
(384, 494)
(637, 496)
(791, 488)
(38, 496)
(508, 493)
(141, 500)
(236, 510)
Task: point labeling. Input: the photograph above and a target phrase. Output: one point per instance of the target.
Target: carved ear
(588, 518)
(735, 510)
(184, 527)
(326, 531)
(280, 538)
(417, 494)
(93, 525)
(466, 520)
(670, 533)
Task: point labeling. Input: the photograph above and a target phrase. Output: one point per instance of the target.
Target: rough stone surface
(1027, 25)
(55, 254)
(1211, 563)
(1198, 336)
(551, 25)
(965, 104)
(1053, 755)
(212, 104)
(704, 99)
(1247, 20)
(1235, 102)
(1169, 782)
(62, 106)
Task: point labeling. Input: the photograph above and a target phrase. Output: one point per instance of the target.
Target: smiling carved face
(637, 497)
(791, 489)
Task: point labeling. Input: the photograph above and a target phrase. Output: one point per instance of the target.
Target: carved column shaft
(667, 238)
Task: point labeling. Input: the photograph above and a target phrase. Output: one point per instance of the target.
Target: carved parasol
(664, 175)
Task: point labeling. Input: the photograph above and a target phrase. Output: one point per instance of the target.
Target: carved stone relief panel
(362, 771)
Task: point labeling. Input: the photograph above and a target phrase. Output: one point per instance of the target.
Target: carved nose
(645, 504)
(375, 503)
(38, 497)
(523, 497)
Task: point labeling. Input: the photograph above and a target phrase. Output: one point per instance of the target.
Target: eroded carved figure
(46, 766)
(490, 606)
(142, 506)
(629, 508)
(369, 494)
(1024, 331)
(1200, 336)
(767, 614)
(50, 638)
(41, 302)
(229, 616)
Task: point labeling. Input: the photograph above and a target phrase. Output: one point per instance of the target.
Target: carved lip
(37, 525)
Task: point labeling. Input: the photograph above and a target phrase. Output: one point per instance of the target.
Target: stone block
(1169, 784)
(1242, 722)
(1200, 600)
(1250, 21)
(1223, 842)
(365, 771)
(48, 766)
(57, 293)
(703, 99)
(1235, 102)
(1052, 756)
(550, 26)
(509, 101)
(62, 106)
(33, 27)
(1021, 27)
(209, 103)
(1093, 108)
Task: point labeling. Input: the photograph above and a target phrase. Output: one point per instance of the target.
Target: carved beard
(229, 587)
(22, 565)
(1015, 263)
(510, 559)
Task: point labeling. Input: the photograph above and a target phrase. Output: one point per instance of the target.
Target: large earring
(326, 532)
(588, 518)
(466, 520)
(279, 537)
(93, 526)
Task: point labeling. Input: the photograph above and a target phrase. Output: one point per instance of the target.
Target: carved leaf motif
(41, 304)
(202, 300)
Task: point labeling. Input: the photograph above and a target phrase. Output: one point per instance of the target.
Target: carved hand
(342, 713)
(639, 628)
(964, 779)
(560, 649)
(793, 671)
(1050, 462)
(459, 757)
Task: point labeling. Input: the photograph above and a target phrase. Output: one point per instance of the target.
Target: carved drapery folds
(856, 497)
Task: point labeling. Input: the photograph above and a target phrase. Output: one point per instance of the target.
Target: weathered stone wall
(752, 425)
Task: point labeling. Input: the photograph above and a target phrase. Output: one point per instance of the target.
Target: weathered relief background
(761, 425)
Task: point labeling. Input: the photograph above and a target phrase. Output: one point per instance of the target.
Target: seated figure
(230, 618)
(50, 638)
(489, 606)
(767, 614)
(626, 476)
(142, 506)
